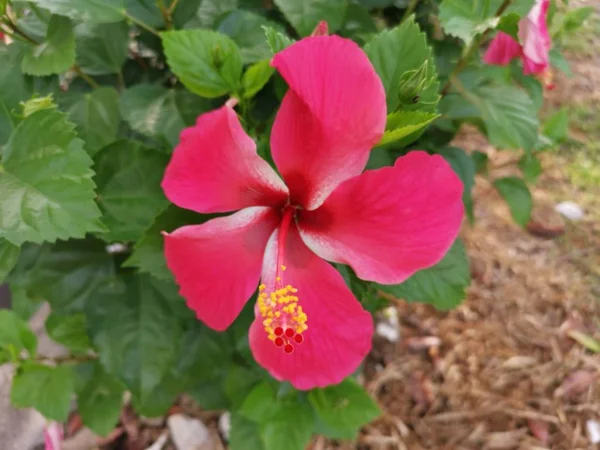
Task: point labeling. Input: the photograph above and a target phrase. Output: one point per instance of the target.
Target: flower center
(283, 318)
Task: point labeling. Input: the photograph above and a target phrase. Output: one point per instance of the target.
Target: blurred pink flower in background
(53, 436)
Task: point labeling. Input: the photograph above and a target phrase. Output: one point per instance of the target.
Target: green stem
(465, 59)
(173, 6)
(13, 26)
(409, 10)
(66, 359)
(120, 81)
(89, 80)
(140, 24)
(165, 13)
(37, 12)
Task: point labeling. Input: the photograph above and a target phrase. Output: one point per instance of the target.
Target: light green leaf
(246, 30)
(148, 253)
(466, 19)
(96, 115)
(129, 192)
(464, 167)
(56, 54)
(304, 15)
(556, 127)
(47, 389)
(207, 63)
(137, 335)
(102, 48)
(442, 285)
(69, 330)
(245, 434)
(255, 78)
(94, 11)
(517, 195)
(575, 18)
(9, 254)
(258, 405)
(531, 167)
(276, 40)
(290, 428)
(211, 10)
(343, 408)
(402, 124)
(46, 182)
(558, 60)
(509, 115)
(99, 402)
(156, 111)
(15, 332)
(398, 55)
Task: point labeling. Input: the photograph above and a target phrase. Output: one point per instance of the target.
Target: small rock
(545, 222)
(389, 327)
(225, 425)
(189, 434)
(593, 429)
(160, 442)
(570, 210)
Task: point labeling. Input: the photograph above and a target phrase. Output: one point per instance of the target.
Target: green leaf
(56, 54)
(148, 254)
(238, 384)
(531, 167)
(403, 124)
(207, 63)
(245, 434)
(343, 408)
(47, 389)
(211, 10)
(556, 127)
(400, 57)
(69, 331)
(480, 160)
(129, 192)
(246, 30)
(558, 60)
(515, 192)
(15, 332)
(156, 111)
(99, 402)
(574, 18)
(291, 426)
(137, 335)
(9, 254)
(464, 167)
(466, 19)
(102, 48)
(276, 40)
(46, 182)
(255, 78)
(94, 11)
(96, 115)
(442, 285)
(258, 405)
(509, 115)
(67, 273)
(304, 15)
(14, 88)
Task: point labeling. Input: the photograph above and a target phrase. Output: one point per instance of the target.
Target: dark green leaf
(15, 332)
(239, 383)
(558, 60)
(211, 10)
(46, 182)
(9, 254)
(148, 254)
(258, 405)
(398, 55)
(156, 111)
(556, 127)
(245, 434)
(96, 115)
(47, 389)
(255, 78)
(14, 88)
(464, 167)
(129, 193)
(96, 11)
(466, 19)
(69, 330)
(207, 63)
(277, 41)
(56, 54)
(480, 160)
(304, 15)
(442, 285)
(102, 48)
(99, 402)
(518, 197)
(291, 426)
(531, 167)
(343, 408)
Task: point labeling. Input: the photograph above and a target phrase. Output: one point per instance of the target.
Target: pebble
(570, 210)
(189, 434)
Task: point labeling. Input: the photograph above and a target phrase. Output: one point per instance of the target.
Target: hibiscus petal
(217, 264)
(339, 331)
(391, 222)
(533, 34)
(215, 168)
(331, 117)
(502, 50)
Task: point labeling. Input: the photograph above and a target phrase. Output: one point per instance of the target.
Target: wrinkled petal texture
(391, 222)
(215, 168)
(217, 264)
(332, 115)
(502, 50)
(534, 36)
(339, 331)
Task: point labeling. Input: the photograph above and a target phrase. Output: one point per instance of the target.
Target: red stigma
(278, 341)
(289, 333)
(298, 339)
(278, 331)
(289, 348)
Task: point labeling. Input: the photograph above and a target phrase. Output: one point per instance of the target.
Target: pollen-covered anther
(283, 319)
